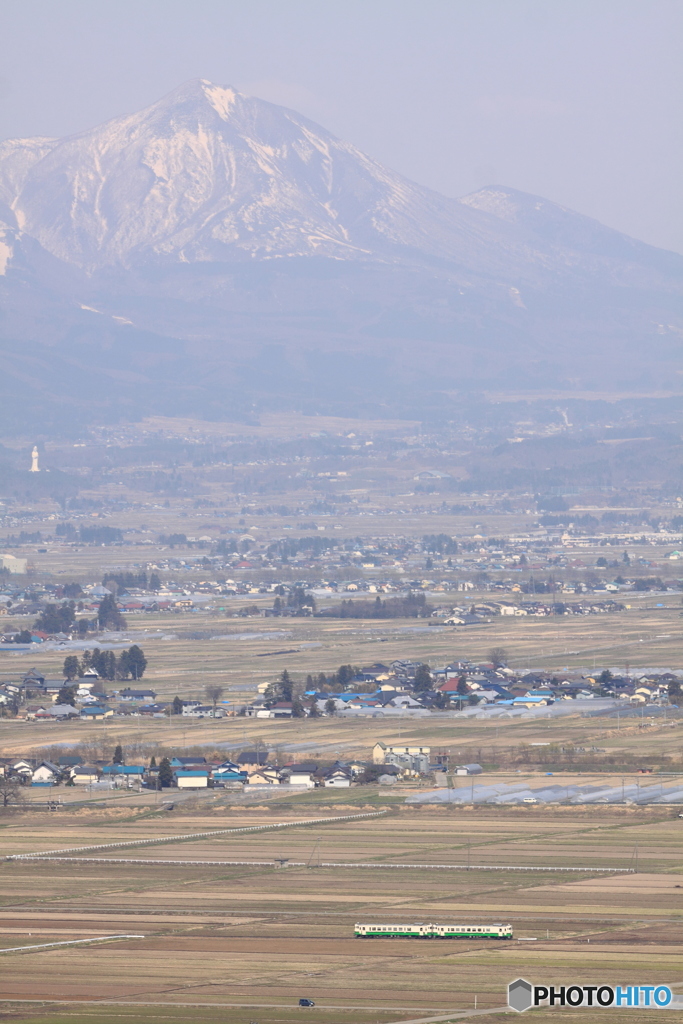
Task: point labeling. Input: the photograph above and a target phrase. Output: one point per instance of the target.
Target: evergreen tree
(153, 762)
(298, 710)
(344, 675)
(72, 668)
(118, 755)
(56, 618)
(104, 663)
(154, 582)
(313, 711)
(462, 687)
(285, 687)
(108, 615)
(132, 663)
(423, 679)
(177, 705)
(330, 706)
(67, 695)
(165, 775)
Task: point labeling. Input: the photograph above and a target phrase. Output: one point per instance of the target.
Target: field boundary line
(322, 864)
(210, 1006)
(197, 835)
(68, 942)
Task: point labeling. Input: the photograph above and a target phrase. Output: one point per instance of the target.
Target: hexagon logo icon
(519, 995)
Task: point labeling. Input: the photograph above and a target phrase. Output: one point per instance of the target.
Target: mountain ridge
(190, 247)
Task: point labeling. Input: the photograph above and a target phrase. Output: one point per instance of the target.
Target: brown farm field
(240, 943)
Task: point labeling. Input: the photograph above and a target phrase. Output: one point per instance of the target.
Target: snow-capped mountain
(210, 174)
(216, 221)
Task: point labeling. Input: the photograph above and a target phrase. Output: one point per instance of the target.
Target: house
(188, 762)
(531, 702)
(191, 778)
(301, 775)
(30, 711)
(283, 709)
(70, 761)
(10, 768)
(33, 678)
(404, 700)
(63, 711)
(339, 703)
(53, 686)
(228, 773)
(205, 711)
(468, 769)
(85, 775)
(46, 774)
(146, 695)
(152, 710)
(266, 776)
(410, 764)
(380, 751)
(258, 708)
(130, 770)
(251, 760)
(337, 777)
(95, 713)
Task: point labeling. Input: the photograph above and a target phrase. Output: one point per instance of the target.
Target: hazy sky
(579, 101)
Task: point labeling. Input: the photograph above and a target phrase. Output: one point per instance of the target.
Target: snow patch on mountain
(221, 99)
(6, 252)
(17, 157)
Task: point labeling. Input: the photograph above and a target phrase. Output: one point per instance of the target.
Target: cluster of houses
(250, 768)
(37, 698)
(381, 688)
(376, 689)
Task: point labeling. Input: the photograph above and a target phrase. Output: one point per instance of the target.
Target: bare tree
(498, 656)
(11, 793)
(214, 693)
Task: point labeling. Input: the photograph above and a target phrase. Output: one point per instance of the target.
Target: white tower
(35, 468)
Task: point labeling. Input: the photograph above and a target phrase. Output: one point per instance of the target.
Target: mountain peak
(221, 98)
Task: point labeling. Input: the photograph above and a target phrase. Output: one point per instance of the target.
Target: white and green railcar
(364, 930)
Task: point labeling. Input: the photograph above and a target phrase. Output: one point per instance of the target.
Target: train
(363, 930)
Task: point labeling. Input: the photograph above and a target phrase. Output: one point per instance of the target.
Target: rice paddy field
(238, 943)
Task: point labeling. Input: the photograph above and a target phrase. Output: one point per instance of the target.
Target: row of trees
(61, 618)
(129, 664)
(412, 606)
(89, 534)
(297, 602)
(126, 580)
